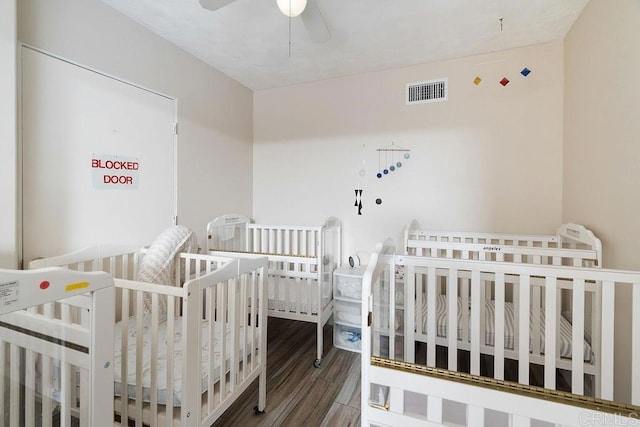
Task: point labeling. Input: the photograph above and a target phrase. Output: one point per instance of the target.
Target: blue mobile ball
(392, 168)
(399, 164)
(407, 155)
(386, 171)
(379, 175)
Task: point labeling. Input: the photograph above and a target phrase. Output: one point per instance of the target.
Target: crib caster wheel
(257, 410)
(316, 363)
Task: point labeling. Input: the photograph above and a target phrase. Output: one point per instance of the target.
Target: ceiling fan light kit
(292, 8)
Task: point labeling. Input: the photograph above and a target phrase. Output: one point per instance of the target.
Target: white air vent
(427, 91)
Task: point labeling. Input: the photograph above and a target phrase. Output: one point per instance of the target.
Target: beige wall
(214, 112)
(490, 158)
(8, 152)
(602, 141)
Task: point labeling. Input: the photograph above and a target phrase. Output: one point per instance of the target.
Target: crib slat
(410, 311)
(139, 354)
(392, 313)
(3, 374)
(452, 313)
(286, 237)
(211, 325)
(153, 383)
(577, 356)
(303, 244)
(523, 329)
(635, 346)
(29, 388)
(171, 316)
(14, 384)
(431, 316)
(607, 346)
(66, 381)
(278, 243)
(222, 301)
(464, 290)
(124, 354)
(550, 328)
(484, 284)
(47, 401)
(84, 408)
(313, 243)
(234, 346)
(536, 321)
(271, 240)
(244, 313)
(476, 302)
(499, 327)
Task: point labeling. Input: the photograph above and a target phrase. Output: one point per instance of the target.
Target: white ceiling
(249, 39)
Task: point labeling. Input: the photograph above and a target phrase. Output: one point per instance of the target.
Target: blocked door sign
(112, 171)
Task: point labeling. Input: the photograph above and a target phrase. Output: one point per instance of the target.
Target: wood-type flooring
(298, 394)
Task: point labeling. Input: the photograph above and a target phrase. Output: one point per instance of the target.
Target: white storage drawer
(347, 309)
(348, 282)
(347, 313)
(347, 337)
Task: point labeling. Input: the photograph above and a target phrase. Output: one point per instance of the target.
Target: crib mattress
(161, 357)
(565, 334)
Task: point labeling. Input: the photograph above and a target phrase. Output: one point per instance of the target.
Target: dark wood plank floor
(297, 393)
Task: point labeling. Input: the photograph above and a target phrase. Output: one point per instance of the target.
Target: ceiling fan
(307, 9)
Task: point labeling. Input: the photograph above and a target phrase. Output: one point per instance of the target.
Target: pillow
(158, 264)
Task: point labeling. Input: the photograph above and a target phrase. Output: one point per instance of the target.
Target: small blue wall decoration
(387, 165)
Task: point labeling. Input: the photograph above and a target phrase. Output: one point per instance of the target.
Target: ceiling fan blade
(313, 20)
(215, 4)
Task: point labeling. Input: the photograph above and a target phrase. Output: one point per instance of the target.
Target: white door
(98, 158)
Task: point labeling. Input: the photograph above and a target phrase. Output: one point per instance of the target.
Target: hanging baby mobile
(393, 157)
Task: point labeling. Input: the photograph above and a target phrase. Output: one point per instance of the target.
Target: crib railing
(504, 253)
(568, 236)
(236, 233)
(123, 262)
(557, 312)
(56, 370)
(284, 240)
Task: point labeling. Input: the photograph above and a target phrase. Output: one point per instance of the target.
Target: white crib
(572, 245)
(55, 370)
(398, 392)
(530, 326)
(216, 314)
(301, 264)
(504, 246)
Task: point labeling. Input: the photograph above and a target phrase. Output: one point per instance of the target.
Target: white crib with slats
(572, 245)
(398, 392)
(186, 364)
(301, 264)
(55, 370)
